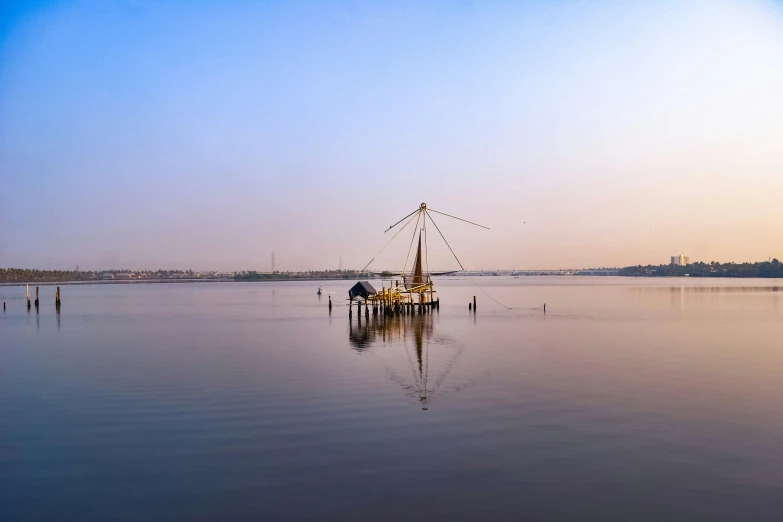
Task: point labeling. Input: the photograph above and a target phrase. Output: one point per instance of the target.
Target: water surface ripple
(630, 399)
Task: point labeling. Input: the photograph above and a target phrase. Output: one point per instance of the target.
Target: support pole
(36, 298)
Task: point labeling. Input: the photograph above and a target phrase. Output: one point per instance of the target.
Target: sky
(206, 135)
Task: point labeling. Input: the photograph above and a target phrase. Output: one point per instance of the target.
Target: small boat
(320, 291)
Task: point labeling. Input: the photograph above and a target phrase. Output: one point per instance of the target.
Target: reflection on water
(388, 328)
(254, 402)
(414, 334)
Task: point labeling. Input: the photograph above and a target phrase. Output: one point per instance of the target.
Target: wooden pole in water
(36, 297)
(474, 302)
(57, 297)
(330, 303)
(28, 296)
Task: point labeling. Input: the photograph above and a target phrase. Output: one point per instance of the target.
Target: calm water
(631, 399)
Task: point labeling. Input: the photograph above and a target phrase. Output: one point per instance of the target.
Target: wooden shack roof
(361, 289)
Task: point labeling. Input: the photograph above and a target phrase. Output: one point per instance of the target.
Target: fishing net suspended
(416, 276)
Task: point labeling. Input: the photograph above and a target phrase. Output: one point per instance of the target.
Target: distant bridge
(546, 271)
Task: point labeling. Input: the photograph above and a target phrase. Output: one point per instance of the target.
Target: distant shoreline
(21, 276)
(153, 281)
(293, 280)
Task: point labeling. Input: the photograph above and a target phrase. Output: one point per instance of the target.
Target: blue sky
(207, 134)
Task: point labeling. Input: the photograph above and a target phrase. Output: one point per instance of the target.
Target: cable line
(460, 264)
(444, 238)
(455, 217)
(387, 243)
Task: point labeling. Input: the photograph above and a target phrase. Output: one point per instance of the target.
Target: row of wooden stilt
(393, 309)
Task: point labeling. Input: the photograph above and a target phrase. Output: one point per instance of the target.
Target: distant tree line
(27, 275)
(8, 275)
(292, 276)
(772, 268)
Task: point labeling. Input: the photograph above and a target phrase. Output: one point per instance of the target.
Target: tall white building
(680, 260)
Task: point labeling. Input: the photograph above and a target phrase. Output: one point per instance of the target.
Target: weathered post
(57, 298)
(330, 303)
(470, 306)
(36, 298)
(28, 296)
(474, 303)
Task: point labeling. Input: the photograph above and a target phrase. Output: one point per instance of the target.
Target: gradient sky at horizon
(206, 135)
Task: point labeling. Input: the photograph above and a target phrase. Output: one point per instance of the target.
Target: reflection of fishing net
(416, 276)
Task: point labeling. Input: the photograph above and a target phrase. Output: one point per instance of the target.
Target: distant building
(680, 260)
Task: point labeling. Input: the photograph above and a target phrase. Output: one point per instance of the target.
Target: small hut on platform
(362, 289)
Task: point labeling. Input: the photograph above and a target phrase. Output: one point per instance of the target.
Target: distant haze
(206, 135)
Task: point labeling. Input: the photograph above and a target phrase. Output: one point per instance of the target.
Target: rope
(460, 264)
(447, 243)
(387, 243)
(400, 221)
(485, 293)
(426, 250)
(455, 217)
